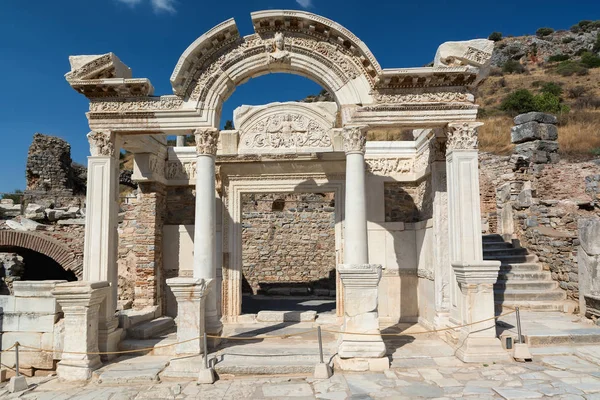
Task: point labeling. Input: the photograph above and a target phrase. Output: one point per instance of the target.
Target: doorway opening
(288, 252)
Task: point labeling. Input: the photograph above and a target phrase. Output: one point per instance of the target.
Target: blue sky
(37, 37)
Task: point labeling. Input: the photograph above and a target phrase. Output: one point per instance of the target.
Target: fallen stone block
(535, 116)
(531, 131)
(286, 316)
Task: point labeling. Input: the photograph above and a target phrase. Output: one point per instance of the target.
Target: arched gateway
(407, 212)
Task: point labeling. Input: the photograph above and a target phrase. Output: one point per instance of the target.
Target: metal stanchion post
(207, 374)
(322, 370)
(320, 344)
(17, 383)
(519, 336)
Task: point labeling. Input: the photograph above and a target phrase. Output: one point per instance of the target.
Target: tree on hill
(495, 36)
(543, 32)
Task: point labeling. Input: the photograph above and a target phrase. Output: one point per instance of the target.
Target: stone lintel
(476, 272)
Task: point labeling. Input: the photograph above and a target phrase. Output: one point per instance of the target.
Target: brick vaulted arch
(44, 245)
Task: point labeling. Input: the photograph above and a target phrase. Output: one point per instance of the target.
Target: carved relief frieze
(389, 166)
(96, 67)
(426, 97)
(101, 143)
(423, 158)
(178, 170)
(286, 131)
(163, 103)
(462, 136)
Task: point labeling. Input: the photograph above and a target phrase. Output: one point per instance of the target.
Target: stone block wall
(288, 243)
(534, 197)
(408, 201)
(181, 205)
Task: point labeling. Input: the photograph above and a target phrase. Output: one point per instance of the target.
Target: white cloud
(164, 6)
(303, 3)
(158, 6)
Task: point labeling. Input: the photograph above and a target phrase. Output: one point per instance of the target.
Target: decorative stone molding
(477, 53)
(462, 136)
(102, 143)
(389, 166)
(355, 139)
(162, 103)
(180, 170)
(423, 97)
(475, 273)
(360, 275)
(206, 141)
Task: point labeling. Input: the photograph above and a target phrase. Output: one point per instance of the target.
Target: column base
(77, 370)
(481, 350)
(184, 367)
(360, 364)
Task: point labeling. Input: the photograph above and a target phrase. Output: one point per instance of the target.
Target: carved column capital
(206, 141)
(355, 139)
(462, 136)
(102, 143)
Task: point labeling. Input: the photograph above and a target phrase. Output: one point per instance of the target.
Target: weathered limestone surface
(190, 294)
(588, 258)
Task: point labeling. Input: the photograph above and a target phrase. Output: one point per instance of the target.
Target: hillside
(556, 72)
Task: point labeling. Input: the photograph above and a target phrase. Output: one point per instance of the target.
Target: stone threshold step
(570, 338)
(524, 276)
(505, 252)
(151, 329)
(513, 259)
(528, 285)
(496, 246)
(286, 316)
(525, 295)
(156, 344)
(492, 238)
(541, 306)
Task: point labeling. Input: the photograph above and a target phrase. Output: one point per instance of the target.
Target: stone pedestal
(588, 260)
(205, 230)
(360, 304)
(478, 342)
(190, 294)
(80, 302)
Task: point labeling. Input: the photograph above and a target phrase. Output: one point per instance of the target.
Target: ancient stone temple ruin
(396, 225)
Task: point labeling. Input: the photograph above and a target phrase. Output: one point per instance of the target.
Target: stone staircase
(522, 281)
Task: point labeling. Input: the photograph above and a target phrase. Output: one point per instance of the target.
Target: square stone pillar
(101, 239)
(80, 302)
(360, 304)
(190, 294)
(472, 295)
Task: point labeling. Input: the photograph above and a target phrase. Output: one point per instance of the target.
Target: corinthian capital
(462, 136)
(102, 143)
(355, 139)
(206, 141)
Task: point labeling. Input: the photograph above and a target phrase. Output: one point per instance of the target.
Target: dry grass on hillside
(578, 134)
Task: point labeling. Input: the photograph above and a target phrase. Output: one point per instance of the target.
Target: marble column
(473, 294)
(205, 231)
(101, 240)
(359, 278)
(180, 141)
(80, 303)
(355, 225)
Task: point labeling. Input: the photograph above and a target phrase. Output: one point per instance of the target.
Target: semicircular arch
(44, 245)
(284, 42)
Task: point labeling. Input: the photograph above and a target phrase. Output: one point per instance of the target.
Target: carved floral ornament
(462, 136)
(206, 141)
(355, 139)
(389, 166)
(101, 143)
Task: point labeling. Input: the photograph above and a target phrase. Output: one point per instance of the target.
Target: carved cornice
(462, 136)
(355, 139)
(392, 97)
(102, 143)
(206, 141)
(390, 166)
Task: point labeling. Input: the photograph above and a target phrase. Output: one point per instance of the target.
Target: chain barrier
(260, 337)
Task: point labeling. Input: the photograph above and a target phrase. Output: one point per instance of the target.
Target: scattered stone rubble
(535, 135)
(12, 269)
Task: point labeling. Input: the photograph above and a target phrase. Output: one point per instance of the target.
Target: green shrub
(580, 51)
(519, 102)
(542, 32)
(495, 36)
(590, 60)
(513, 67)
(596, 48)
(16, 196)
(558, 58)
(228, 125)
(568, 39)
(549, 103)
(552, 88)
(570, 68)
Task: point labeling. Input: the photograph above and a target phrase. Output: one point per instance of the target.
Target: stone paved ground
(575, 374)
